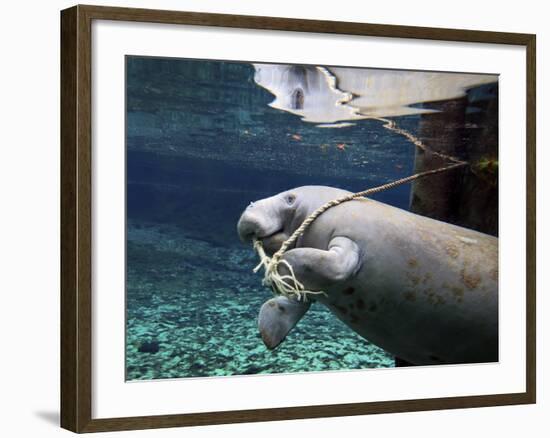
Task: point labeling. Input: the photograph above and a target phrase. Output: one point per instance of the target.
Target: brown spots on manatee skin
(433, 298)
(409, 296)
(471, 280)
(348, 291)
(271, 304)
(414, 279)
(452, 250)
(458, 293)
(412, 262)
(425, 235)
(427, 277)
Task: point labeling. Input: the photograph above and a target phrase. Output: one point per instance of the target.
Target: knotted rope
(288, 285)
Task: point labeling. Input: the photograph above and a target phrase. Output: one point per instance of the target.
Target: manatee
(424, 290)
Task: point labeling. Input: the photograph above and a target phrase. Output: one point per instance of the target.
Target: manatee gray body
(424, 290)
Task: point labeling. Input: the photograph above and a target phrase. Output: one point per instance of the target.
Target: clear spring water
(202, 143)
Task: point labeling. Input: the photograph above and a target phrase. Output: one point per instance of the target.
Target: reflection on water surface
(327, 95)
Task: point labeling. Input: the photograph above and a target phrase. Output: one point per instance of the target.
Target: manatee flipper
(315, 268)
(277, 317)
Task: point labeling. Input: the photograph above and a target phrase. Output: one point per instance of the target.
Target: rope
(288, 285)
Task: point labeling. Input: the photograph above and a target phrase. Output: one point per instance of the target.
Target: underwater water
(202, 143)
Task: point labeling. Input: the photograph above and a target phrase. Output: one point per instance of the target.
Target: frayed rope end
(287, 285)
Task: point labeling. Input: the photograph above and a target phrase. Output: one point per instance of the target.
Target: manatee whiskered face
(273, 220)
(269, 220)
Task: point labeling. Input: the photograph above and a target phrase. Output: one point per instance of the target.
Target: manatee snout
(263, 222)
(256, 223)
(248, 227)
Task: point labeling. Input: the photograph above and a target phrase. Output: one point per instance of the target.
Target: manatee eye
(290, 198)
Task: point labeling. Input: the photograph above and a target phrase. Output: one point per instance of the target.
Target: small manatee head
(272, 220)
(269, 220)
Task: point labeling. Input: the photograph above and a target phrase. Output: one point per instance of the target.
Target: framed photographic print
(267, 218)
